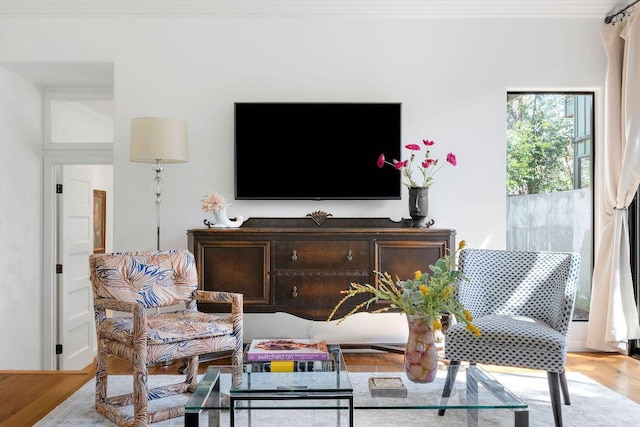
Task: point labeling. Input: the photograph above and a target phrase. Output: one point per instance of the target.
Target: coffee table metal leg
(521, 418)
(232, 412)
(472, 398)
(214, 397)
(191, 419)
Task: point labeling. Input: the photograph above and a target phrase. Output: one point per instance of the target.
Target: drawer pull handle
(294, 293)
(294, 257)
(349, 255)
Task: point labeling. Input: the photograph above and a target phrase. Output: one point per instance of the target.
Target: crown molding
(272, 8)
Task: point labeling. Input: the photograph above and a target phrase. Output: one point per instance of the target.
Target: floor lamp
(158, 140)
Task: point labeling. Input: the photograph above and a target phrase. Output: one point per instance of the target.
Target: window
(549, 175)
(78, 120)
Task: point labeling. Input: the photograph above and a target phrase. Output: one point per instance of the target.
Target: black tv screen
(316, 151)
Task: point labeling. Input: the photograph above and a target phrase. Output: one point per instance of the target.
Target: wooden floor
(27, 396)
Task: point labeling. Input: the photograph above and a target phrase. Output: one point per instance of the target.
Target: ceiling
(52, 75)
(269, 8)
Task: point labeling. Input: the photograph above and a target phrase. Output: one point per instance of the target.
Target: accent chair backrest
(541, 285)
(155, 279)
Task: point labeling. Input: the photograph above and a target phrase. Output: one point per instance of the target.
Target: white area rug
(591, 405)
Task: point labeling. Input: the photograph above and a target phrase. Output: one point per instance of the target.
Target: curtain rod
(612, 18)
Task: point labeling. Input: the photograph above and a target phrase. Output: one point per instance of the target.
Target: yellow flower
(462, 244)
(437, 324)
(467, 315)
(417, 275)
(424, 290)
(445, 292)
(473, 328)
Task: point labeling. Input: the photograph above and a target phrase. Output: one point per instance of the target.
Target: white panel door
(76, 331)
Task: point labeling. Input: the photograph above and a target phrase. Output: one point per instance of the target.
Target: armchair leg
(140, 389)
(554, 391)
(565, 388)
(102, 368)
(192, 373)
(454, 365)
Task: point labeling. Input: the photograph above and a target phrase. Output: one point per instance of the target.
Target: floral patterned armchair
(138, 283)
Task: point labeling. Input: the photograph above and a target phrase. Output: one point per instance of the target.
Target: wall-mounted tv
(316, 151)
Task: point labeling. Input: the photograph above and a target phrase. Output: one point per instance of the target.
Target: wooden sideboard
(298, 266)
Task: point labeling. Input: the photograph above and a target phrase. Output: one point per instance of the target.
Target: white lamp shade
(158, 139)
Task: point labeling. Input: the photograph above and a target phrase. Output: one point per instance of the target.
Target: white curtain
(613, 317)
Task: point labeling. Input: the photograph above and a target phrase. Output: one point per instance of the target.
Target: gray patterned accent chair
(522, 302)
(138, 284)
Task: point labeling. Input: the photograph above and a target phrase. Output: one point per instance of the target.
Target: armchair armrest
(233, 298)
(139, 316)
(116, 305)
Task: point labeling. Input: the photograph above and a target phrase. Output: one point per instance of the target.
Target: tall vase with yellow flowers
(424, 300)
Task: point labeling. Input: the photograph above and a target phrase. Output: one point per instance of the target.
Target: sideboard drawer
(315, 297)
(312, 254)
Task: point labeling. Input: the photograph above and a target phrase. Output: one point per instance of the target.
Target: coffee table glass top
(474, 388)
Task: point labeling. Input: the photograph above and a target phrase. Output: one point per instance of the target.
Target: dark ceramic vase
(419, 207)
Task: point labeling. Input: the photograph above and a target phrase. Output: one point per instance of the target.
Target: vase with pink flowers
(418, 176)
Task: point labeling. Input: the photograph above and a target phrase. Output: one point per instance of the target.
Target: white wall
(450, 75)
(20, 222)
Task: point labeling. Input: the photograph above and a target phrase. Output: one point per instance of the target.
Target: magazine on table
(287, 349)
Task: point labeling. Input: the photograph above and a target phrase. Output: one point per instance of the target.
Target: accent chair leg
(554, 391)
(454, 365)
(565, 388)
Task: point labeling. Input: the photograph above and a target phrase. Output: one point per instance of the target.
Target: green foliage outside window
(539, 144)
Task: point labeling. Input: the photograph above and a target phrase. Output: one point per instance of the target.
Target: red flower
(400, 165)
(428, 163)
(427, 166)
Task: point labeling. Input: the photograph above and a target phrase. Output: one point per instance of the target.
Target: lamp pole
(157, 185)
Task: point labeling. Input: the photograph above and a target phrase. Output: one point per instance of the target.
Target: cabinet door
(403, 258)
(232, 266)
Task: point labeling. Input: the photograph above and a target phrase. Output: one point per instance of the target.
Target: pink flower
(213, 203)
(428, 163)
(400, 165)
(426, 167)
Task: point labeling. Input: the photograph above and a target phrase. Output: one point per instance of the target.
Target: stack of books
(289, 355)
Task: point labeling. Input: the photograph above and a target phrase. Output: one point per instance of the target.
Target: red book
(262, 350)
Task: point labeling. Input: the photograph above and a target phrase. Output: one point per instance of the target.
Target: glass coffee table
(337, 392)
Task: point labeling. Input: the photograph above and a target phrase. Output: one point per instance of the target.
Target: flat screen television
(316, 151)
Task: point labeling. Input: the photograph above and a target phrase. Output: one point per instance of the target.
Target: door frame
(51, 161)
